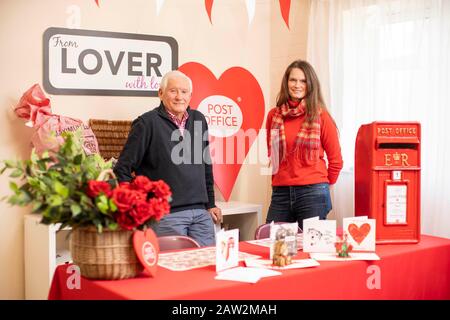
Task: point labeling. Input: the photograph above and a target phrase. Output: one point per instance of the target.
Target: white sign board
(396, 204)
(87, 62)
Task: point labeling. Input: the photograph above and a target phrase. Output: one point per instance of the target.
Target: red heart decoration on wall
(242, 88)
(359, 233)
(146, 246)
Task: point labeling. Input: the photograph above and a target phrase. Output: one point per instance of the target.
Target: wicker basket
(109, 255)
(111, 136)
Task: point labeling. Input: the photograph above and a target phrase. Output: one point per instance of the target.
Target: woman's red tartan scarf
(307, 142)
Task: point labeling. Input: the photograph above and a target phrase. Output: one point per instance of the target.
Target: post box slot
(394, 145)
(397, 143)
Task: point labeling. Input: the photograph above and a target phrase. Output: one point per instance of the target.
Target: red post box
(387, 179)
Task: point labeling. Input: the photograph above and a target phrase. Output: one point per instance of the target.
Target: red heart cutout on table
(239, 87)
(359, 233)
(146, 246)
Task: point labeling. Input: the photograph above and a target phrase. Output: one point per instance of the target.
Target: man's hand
(216, 214)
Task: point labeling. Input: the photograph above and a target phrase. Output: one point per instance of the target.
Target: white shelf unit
(44, 248)
(243, 216)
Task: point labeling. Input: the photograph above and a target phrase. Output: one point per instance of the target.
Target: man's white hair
(174, 74)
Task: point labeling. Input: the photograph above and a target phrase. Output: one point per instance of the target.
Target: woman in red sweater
(299, 132)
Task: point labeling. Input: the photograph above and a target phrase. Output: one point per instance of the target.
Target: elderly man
(153, 149)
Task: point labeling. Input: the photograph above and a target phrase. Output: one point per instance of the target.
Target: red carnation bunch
(134, 204)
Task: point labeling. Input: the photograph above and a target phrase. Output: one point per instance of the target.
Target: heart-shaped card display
(146, 246)
(233, 106)
(359, 233)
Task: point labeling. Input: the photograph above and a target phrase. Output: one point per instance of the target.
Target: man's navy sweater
(156, 149)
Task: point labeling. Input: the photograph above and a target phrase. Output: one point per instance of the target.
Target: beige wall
(264, 48)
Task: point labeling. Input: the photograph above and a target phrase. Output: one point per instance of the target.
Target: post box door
(397, 205)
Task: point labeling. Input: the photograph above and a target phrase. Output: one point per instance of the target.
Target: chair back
(176, 242)
(263, 231)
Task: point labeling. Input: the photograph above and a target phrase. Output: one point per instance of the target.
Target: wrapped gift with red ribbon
(35, 108)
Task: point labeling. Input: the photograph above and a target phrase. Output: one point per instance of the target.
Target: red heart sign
(235, 100)
(146, 246)
(359, 233)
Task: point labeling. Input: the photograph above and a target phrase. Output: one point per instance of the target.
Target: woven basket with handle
(107, 255)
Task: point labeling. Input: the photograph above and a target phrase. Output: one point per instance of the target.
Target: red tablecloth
(418, 271)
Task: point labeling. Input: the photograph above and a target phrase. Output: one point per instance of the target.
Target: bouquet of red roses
(134, 204)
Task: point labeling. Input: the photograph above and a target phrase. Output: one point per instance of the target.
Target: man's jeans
(194, 223)
(296, 203)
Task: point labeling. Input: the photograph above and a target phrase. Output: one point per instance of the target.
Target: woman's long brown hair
(314, 99)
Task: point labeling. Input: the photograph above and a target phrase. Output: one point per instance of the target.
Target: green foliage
(55, 185)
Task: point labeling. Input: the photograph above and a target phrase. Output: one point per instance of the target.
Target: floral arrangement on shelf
(78, 190)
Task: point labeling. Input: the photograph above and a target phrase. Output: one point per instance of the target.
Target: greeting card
(227, 249)
(283, 239)
(319, 235)
(360, 233)
(354, 256)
